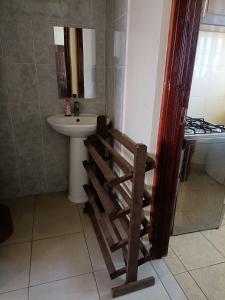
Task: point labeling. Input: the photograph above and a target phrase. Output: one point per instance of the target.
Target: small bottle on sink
(67, 108)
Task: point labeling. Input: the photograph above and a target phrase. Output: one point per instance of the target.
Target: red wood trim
(80, 62)
(183, 35)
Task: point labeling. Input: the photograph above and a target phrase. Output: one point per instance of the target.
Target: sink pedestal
(78, 176)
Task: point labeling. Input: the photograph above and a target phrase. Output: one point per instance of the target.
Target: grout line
(222, 262)
(60, 279)
(91, 265)
(212, 244)
(57, 236)
(15, 290)
(34, 209)
(161, 281)
(186, 270)
(47, 282)
(194, 281)
(198, 285)
(41, 239)
(181, 286)
(189, 274)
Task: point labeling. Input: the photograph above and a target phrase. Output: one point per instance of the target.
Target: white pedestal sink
(78, 128)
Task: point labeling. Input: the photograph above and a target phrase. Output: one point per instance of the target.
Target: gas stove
(198, 126)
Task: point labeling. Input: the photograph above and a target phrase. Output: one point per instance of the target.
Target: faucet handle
(76, 108)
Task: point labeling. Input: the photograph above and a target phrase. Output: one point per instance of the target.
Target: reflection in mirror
(75, 50)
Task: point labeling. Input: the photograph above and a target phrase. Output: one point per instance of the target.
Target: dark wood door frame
(183, 36)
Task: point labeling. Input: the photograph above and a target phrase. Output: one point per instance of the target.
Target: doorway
(183, 36)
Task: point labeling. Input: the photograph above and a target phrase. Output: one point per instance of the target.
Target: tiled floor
(197, 261)
(54, 254)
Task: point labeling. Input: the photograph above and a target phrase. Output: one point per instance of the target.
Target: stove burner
(200, 126)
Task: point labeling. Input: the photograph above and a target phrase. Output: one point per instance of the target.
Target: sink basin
(79, 127)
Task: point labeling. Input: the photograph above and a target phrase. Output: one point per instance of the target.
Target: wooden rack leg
(132, 286)
(136, 213)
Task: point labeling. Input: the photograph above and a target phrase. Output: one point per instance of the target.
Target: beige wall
(147, 35)
(207, 98)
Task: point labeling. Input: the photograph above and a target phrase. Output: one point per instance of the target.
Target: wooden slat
(119, 180)
(105, 169)
(103, 166)
(123, 139)
(105, 199)
(100, 217)
(144, 222)
(119, 237)
(105, 252)
(130, 145)
(122, 212)
(122, 163)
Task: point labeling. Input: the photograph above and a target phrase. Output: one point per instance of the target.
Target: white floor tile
(189, 286)
(195, 251)
(55, 221)
(168, 280)
(96, 255)
(16, 295)
(22, 216)
(156, 292)
(170, 252)
(52, 199)
(14, 267)
(217, 238)
(80, 287)
(211, 281)
(85, 219)
(174, 264)
(59, 258)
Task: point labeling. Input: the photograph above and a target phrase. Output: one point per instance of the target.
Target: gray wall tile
(9, 176)
(43, 42)
(5, 124)
(77, 11)
(31, 165)
(99, 12)
(1, 47)
(47, 81)
(3, 81)
(17, 40)
(26, 120)
(100, 83)
(120, 8)
(116, 27)
(35, 158)
(21, 80)
(43, 8)
(110, 73)
(120, 41)
(109, 44)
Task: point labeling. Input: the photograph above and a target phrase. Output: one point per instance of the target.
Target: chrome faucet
(76, 108)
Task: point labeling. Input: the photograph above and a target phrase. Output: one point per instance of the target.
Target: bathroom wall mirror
(75, 53)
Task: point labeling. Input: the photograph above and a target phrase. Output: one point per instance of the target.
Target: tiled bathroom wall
(33, 158)
(116, 27)
(207, 98)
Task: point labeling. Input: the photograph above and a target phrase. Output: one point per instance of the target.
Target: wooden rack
(116, 213)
